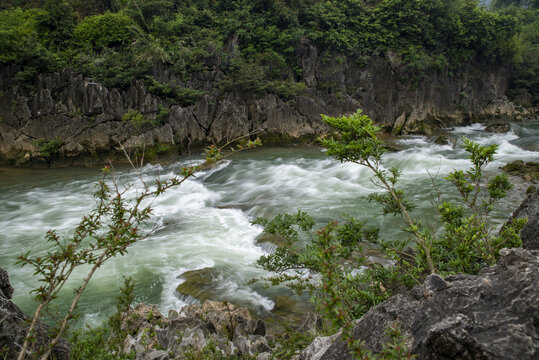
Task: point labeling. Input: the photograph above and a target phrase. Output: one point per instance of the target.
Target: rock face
(529, 208)
(13, 326)
(87, 117)
(229, 328)
(490, 316)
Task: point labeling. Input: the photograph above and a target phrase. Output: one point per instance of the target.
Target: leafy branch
(107, 231)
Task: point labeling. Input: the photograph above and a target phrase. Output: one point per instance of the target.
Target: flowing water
(205, 223)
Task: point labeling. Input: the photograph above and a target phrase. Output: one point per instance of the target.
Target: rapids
(205, 223)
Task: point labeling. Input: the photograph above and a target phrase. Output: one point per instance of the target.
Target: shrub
(329, 263)
(101, 31)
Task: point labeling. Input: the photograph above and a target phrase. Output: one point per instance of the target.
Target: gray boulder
(229, 328)
(490, 316)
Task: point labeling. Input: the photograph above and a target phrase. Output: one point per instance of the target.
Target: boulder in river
(529, 171)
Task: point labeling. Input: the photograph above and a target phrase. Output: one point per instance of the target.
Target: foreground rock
(229, 328)
(13, 327)
(490, 316)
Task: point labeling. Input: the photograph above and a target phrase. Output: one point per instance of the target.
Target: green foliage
(49, 148)
(329, 263)
(116, 335)
(162, 115)
(524, 86)
(22, 44)
(342, 292)
(135, 118)
(92, 344)
(102, 31)
(254, 43)
(112, 68)
(175, 93)
(105, 342)
(57, 24)
(292, 343)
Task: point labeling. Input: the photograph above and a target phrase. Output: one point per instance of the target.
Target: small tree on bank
(331, 264)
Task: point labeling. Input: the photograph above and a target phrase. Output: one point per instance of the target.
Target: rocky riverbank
(65, 118)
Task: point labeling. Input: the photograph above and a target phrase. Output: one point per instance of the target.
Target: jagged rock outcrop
(14, 327)
(87, 117)
(228, 327)
(494, 315)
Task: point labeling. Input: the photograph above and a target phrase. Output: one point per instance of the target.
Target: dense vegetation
(524, 87)
(115, 41)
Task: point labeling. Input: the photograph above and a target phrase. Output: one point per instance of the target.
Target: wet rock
(528, 171)
(490, 316)
(441, 140)
(199, 284)
(498, 128)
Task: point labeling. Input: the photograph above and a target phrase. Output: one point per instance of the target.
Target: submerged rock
(498, 128)
(490, 316)
(200, 284)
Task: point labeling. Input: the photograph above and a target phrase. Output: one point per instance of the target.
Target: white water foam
(206, 221)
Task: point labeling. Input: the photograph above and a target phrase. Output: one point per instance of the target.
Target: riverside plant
(329, 263)
(107, 231)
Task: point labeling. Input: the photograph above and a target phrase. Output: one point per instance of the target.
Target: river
(205, 223)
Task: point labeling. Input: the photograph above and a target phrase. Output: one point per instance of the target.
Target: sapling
(107, 231)
(327, 263)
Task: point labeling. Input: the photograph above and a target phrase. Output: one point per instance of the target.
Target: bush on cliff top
(191, 36)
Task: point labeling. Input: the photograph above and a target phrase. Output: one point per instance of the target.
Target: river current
(206, 223)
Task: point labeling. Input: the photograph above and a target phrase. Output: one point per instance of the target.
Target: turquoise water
(205, 223)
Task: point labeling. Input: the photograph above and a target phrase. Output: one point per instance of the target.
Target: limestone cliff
(86, 118)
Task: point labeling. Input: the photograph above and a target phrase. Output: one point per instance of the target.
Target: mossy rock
(498, 128)
(528, 171)
(270, 238)
(199, 284)
(442, 140)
